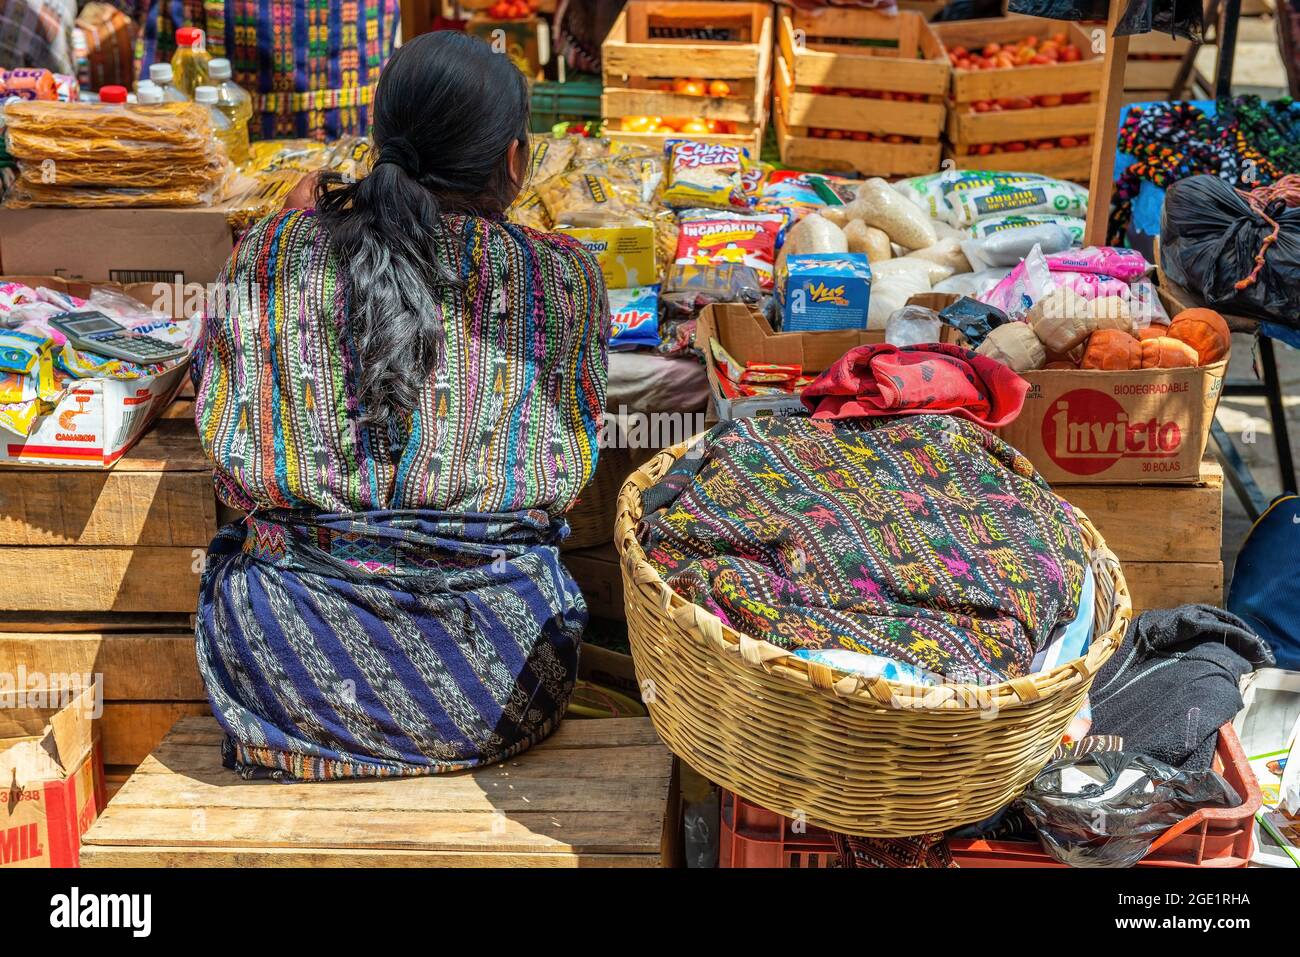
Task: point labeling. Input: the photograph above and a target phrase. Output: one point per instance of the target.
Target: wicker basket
(853, 754)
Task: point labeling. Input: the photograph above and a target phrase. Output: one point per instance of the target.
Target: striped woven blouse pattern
(509, 419)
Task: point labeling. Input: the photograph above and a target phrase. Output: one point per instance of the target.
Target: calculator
(92, 331)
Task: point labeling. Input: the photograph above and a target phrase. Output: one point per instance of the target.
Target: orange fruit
(719, 88)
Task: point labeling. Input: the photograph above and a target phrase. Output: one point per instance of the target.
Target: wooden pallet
(815, 57)
(636, 58)
(596, 793)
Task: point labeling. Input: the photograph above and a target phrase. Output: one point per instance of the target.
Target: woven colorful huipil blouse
(395, 604)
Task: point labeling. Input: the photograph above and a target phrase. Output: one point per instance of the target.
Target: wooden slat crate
(1168, 538)
(828, 54)
(129, 538)
(596, 793)
(656, 41)
(1153, 63)
(967, 131)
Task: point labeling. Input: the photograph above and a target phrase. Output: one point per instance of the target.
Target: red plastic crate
(1210, 837)
(752, 836)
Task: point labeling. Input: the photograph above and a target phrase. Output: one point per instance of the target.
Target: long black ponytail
(446, 111)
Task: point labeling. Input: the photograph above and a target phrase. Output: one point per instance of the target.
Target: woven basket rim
(782, 663)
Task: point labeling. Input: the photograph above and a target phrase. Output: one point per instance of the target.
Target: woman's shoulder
(287, 229)
(564, 251)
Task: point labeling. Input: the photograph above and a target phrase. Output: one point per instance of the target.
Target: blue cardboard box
(821, 291)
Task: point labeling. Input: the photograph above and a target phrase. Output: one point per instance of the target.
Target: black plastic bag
(1209, 238)
(1179, 18)
(973, 319)
(1112, 824)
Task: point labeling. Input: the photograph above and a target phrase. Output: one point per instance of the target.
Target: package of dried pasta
(119, 175)
(581, 194)
(178, 124)
(529, 210)
(301, 156)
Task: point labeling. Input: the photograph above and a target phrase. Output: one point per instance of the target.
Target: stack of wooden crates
(654, 42)
(1168, 538)
(859, 92)
(99, 574)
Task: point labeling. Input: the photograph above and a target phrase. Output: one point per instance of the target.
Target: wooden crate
(816, 68)
(636, 58)
(596, 793)
(1157, 523)
(129, 538)
(1141, 72)
(967, 130)
(1072, 164)
(1170, 584)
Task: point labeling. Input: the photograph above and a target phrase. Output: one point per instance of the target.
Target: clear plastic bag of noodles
(118, 175)
(87, 197)
(585, 195)
(300, 156)
(351, 156)
(164, 132)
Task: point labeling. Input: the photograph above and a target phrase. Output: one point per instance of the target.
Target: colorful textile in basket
(386, 644)
(936, 377)
(310, 67)
(927, 540)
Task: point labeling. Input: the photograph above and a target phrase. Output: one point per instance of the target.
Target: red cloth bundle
(885, 380)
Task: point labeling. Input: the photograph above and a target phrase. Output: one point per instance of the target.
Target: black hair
(446, 110)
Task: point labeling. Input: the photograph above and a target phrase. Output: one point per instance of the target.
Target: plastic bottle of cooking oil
(232, 100)
(162, 75)
(148, 93)
(190, 61)
(231, 141)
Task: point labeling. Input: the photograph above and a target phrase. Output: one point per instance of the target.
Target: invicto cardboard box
(1144, 425)
(98, 419)
(116, 245)
(52, 781)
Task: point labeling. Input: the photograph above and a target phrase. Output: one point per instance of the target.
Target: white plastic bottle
(161, 75)
(233, 100)
(148, 93)
(206, 96)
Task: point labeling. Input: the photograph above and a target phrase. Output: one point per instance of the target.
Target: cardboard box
(749, 337)
(1088, 427)
(99, 419)
(626, 252)
(824, 291)
(1091, 427)
(52, 777)
(116, 245)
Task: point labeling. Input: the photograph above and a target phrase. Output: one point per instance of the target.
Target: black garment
(1173, 682)
(1180, 18)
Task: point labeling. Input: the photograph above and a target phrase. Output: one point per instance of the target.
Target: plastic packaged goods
(1105, 808)
(705, 174)
(866, 239)
(190, 61)
(1015, 346)
(113, 155)
(912, 326)
(28, 84)
(879, 205)
(996, 224)
(1007, 247)
(162, 75)
(730, 238)
(236, 147)
(1023, 286)
(947, 253)
(1126, 264)
(235, 103)
(973, 284)
(573, 198)
(634, 317)
(1054, 197)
